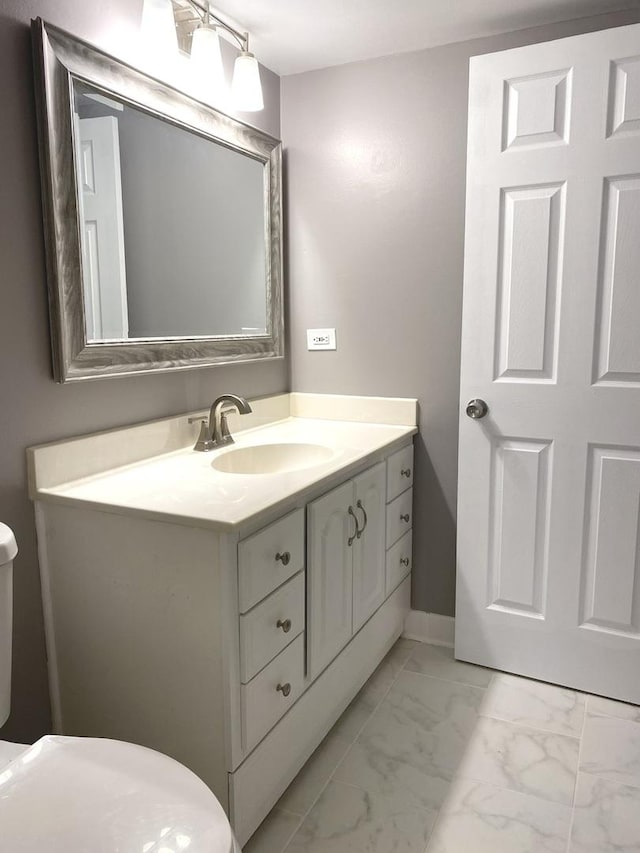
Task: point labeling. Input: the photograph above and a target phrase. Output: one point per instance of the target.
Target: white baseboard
(429, 628)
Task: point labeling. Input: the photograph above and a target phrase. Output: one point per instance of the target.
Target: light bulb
(206, 61)
(158, 30)
(246, 90)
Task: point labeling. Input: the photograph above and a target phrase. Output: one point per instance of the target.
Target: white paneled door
(548, 578)
(103, 256)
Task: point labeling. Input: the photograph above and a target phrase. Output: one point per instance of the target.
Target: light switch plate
(321, 339)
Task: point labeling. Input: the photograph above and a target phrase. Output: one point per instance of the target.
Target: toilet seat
(73, 795)
(10, 751)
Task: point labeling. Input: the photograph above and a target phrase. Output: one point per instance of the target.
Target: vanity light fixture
(206, 58)
(246, 91)
(158, 30)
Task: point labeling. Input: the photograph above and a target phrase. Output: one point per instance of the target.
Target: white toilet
(73, 795)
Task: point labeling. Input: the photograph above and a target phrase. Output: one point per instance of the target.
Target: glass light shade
(206, 61)
(246, 89)
(158, 29)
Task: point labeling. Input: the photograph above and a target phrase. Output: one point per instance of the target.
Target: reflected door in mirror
(100, 200)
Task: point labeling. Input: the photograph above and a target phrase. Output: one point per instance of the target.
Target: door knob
(477, 409)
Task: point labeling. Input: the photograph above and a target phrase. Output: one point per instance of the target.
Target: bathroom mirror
(162, 221)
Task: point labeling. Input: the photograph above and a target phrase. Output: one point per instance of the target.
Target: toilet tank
(8, 550)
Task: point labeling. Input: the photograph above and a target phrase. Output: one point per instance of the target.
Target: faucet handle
(224, 426)
(204, 441)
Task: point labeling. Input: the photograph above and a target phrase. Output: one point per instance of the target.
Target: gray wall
(375, 169)
(33, 408)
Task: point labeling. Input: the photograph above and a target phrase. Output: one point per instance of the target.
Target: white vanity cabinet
(399, 472)
(233, 647)
(346, 563)
(268, 558)
(399, 532)
(271, 600)
(368, 549)
(330, 581)
(269, 628)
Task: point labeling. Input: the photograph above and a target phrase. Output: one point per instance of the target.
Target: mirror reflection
(173, 233)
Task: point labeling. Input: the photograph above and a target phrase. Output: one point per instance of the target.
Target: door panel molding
(531, 244)
(519, 533)
(537, 110)
(617, 349)
(610, 587)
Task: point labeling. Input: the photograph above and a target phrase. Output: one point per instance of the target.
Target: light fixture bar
(241, 38)
(246, 86)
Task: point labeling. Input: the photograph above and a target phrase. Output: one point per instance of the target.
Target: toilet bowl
(72, 795)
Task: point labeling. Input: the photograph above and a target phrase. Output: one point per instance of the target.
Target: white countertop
(183, 486)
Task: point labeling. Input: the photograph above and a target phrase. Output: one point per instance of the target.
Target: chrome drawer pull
(360, 505)
(405, 472)
(404, 561)
(285, 558)
(285, 689)
(405, 517)
(358, 532)
(286, 625)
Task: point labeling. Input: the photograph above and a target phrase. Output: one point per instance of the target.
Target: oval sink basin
(271, 458)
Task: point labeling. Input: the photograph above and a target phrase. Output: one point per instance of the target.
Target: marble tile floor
(441, 756)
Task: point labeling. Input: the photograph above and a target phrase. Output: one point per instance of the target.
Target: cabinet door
(330, 576)
(369, 547)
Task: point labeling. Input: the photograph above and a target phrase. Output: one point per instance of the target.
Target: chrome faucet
(216, 433)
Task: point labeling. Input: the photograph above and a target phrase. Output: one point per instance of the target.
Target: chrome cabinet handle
(405, 472)
(404, 561)
(360, 505)
(405, 517)
(285, 558)
(285, 625)
(477, 409)
(358, 532)
(285, 689)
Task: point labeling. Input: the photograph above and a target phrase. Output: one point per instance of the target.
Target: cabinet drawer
(399, 517)
(262, 702)
(399, 561)
(269, 558)
(261, 637)
(399, 472)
